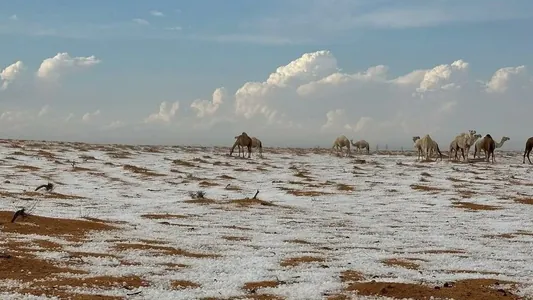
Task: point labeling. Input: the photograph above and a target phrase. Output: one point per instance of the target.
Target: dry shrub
(250, 202)
(27, 168)
(474, 207)
(297, 241)
(165, 250)
(227, 177)
(141, 171)
(472, 289)
(306, 193)
(207, 184)
(344, 187)
(425, 188)
(51, 195)
(524, 200)
(180, 162)
(404, 263)
(80, 169)
(296, 261)
(255, 285)
(183, 284)
(163, 216)
(235, 238)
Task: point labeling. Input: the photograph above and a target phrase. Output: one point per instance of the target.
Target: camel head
(415, 138)
(478, 136)
(244, 134)
(472, 132)
(505, 138)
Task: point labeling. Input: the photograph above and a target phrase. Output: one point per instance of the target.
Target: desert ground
(158, 222)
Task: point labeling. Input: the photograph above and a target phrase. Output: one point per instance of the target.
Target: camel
(477, 146)
(362, 144)
(464, 141)
(245, 141)
(488, 145)
(418, 146)
(256, 143)
(428, 146)
(529, 146)
(340, 142)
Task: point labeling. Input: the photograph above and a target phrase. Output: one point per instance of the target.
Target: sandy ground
(142, 222)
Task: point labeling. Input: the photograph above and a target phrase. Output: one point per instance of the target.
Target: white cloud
(501, 79)
(52, 68)
(44, 110)
(10, 73)
(69, 117)
(157, 13)
(141, 21)
(175, 28)
(90, 116)
(114, 125)
(310, 96)
(207, 108)
(165, 114)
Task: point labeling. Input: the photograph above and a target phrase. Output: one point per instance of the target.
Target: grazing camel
(245, 141)
(464, 141)
(477, 146)
(418, 146)
(362, 144)
(529, 146)
(429, 146)
(488, 146)
(256, 143)
(340, 142)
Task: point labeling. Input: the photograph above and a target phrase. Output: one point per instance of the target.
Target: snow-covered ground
(347, 215)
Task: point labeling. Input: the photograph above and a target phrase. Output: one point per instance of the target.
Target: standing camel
(256, 143)
(429, 146)
(245, 141)
(361, 144)
(477, 146)
(340, 142)
(418, 146)
(464, 141)
(529, 146)
(488, 147)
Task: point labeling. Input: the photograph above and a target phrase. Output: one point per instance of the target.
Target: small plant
(197, 194)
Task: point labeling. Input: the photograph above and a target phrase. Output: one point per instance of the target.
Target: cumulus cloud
(312, 95)
(157, 13)
(44, 110)
(114, 125)
(165, 114)
(501, 79)
(90, 116)
(205, 108)
(141, 21)
(10, 73)
(52, 68)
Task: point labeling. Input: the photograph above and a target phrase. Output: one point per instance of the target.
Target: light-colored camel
(464, 141)
(340, 142)
(429, 146)
(478, 149)
(488, 145)
(361, 144)
(245, 141)
(256, 143)
(418, 146)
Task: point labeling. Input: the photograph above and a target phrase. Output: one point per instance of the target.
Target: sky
(294, 73)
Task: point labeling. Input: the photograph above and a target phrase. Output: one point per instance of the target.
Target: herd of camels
(426, 147)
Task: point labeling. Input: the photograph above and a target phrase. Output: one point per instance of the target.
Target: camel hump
(488, 136)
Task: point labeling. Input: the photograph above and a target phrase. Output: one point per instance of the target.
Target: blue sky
(148, 52)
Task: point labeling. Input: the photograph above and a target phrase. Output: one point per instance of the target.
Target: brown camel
(529, 146)
(488, 146)
(245, 141)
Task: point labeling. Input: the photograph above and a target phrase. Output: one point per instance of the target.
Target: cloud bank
(306, 102)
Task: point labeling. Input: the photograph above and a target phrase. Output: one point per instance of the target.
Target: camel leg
(249, 151)
(528, 156)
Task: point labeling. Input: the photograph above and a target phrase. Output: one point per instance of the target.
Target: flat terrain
(141, 222)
